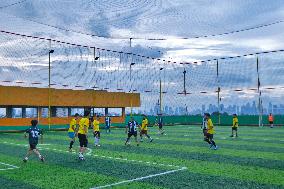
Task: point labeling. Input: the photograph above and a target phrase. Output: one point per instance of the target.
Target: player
(210, 132)
(160, 124)
(82, 134)
(34, 133)
(144, 129)
(96, 130)
(204, 126)
(72, 129)
(271, 119)
(235, 125)
(107, 123)
(131, 129)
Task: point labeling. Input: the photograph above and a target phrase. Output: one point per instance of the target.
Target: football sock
(71, 144)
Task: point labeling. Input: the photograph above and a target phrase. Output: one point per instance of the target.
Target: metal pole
(260, 124)
(49, 91)
(218, 96)
(130, 40)
(160, 96)
(184, 90)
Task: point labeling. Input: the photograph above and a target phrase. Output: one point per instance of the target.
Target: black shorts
(205, 132)
(83, 140)
(209, 136)
(234, 128)
(33, 144)
(270, 122)
(130, 134)
(97, 134)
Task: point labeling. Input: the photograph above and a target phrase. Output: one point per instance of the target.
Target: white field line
(140, 178)
(102, 156)
(9, 165)
(177, 168)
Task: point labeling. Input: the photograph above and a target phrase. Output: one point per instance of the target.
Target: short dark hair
(34, 123)
(76, 115)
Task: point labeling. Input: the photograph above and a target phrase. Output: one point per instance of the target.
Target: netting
(186, 88)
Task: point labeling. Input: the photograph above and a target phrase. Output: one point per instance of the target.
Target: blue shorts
(71, 135)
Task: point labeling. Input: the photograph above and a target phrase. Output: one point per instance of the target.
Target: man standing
(82, 134)
(271, 120)
(235, 125)
(131, 130)
(107, 123)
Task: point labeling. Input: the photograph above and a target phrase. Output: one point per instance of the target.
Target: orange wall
(26, 96)
(44, 121)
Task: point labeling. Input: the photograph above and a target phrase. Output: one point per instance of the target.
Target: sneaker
(25, 160)
(216, 148)
(97, 145)
(42, 159)
(232, 136)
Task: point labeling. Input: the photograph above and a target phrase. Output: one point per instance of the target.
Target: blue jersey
(107, 121)
(34, 133)
(132, 126)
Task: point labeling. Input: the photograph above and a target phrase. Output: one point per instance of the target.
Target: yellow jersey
(96, 125)
(210, 127)
(73, 125)
(235, 122)
(83, 126)
(144, 125)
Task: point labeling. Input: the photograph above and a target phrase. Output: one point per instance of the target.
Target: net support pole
(218, 94)
(260, 122)
(49, 91)
(160, 96)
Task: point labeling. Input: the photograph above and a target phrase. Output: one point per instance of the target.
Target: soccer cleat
(25, 160)
(97, 145)
(42, 159)
(232, 136)
(216, 147)
(151, 140)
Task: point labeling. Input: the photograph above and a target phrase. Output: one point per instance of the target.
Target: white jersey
(204, 123)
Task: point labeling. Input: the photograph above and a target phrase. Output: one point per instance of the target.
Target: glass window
(61, 112)
(98, 111)
(17, 112)
(115, 111)
(31, 112)
(79, 111)
(44, 112)
(2, 112)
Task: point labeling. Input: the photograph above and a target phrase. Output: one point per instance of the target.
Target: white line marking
(89, 152)
(44, 144)
(9, 165)
(140, 178)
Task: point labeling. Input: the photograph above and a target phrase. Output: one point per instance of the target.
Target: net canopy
(168, 41)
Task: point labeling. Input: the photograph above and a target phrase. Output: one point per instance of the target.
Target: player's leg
(236, 131)
(148, 136)
(128, 138)
(72, 137)
(36, 151)
(136, 140)
(29, 152)
(212, 142)
(97, 139)
(141, 136)
(232, 135)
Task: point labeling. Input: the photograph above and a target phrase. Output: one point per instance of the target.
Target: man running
(131, 130)
(34, 133)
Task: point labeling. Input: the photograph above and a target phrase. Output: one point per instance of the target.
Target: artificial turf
(253, 160)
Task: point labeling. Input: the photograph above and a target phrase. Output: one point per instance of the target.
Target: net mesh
(190, 88)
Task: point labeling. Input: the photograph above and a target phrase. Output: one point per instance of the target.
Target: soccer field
(180, 159)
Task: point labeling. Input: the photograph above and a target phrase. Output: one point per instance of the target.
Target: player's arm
(26, 133)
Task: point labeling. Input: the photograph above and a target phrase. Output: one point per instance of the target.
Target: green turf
(254, 160)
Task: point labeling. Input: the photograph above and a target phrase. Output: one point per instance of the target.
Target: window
(17, 112)
(44, 112)
(3, 112)
(115, 111)
(98, 111)
(31, 112)
(61, 112)
(79, 111)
